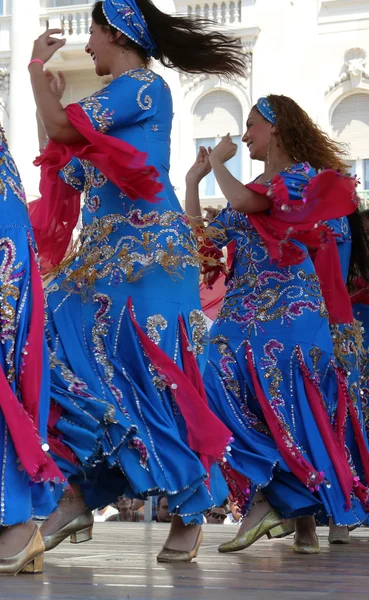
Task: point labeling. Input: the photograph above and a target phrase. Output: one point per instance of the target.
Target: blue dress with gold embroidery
(22, 494)
(272, 331)
(349, 349)
(116, 409)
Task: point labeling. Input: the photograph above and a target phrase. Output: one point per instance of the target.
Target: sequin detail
(152, 324)
(148, 77)
(200, 335)
(94, 110)
(137, 444)
(68, 173)
(9, 294)
(102, 252)
(103, 322)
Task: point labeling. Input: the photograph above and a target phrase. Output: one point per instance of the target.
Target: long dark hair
(191, 45)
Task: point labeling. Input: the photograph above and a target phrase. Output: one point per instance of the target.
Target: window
(350, 125)
(366, 173)
(216, 114)
(207, 185)
(352, 167)
(5, 7)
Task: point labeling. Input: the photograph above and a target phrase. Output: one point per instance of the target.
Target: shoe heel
(269, 535)
(85, 535)
(35, 566)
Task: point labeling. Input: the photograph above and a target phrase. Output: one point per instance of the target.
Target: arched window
(215, 115)
(5, 7)
(350, 125)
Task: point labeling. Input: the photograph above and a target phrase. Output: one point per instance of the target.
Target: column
(22, 132)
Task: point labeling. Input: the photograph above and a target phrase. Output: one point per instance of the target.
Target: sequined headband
(265, 109)
(126, 16)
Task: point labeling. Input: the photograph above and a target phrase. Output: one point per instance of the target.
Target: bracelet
(37, 60)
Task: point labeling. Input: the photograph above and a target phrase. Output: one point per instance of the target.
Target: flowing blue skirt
(255, 453)
(20, 498)
(111, 408)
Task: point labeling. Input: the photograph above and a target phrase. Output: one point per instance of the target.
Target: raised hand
(201, 166)
(57, 83)
(45, 46)
(225, 150)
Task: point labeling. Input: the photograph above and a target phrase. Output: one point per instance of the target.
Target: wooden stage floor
(120, 564)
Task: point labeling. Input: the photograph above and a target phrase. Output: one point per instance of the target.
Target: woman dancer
(271, 375)
(125, 330)
(359, 290)
(347, 254)
(26, 465)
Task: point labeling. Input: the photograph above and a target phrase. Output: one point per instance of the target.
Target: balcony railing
(75, 21)
(5, 33)
(226, 13)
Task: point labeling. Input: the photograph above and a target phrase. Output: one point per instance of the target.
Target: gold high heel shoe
(269, 521)
(79, 530)
(300, 548)
(168, 555)
(283, 530)
(28, 560)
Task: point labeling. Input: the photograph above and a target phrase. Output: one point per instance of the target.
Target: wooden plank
(120, 563)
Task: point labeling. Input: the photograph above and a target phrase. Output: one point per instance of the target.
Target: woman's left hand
(224, 151)
(45, 46)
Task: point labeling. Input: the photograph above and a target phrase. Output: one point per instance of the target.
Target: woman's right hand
(225, 150)
(200, 168)
(57, 83)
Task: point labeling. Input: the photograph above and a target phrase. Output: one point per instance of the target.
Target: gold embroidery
(152, 324)
(103, 117)
(70, 179)
(197, 321)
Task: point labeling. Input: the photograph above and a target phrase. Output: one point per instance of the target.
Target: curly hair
(303, 139)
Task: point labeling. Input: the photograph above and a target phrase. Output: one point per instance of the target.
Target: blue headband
(126, 16)
(265, 109)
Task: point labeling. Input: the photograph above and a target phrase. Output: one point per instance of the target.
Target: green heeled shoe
(269, 521)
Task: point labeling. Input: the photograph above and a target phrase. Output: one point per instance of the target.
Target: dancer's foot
(71, 518)
(259, 508)
(306, 539)
(14, 539)
(183, 542)
(70, 506)
(21, 549)
(182, 537)
(283, 530)
(260, 520)
(338, 534)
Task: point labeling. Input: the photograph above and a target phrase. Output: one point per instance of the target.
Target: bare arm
(198, 171)
(51, 112)
(55, 122)
(57, 84)
(192, 201)
(42, 137)
(239, 197)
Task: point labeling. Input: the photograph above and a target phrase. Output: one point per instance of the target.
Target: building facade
(312, 50)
